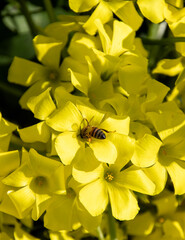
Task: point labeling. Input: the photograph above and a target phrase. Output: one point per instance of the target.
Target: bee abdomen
(98, 133)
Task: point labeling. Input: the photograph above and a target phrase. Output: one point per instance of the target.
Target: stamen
(109, 176)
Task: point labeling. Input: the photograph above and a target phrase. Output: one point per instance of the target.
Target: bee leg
(107, 130)
(90, 139)
(85, 119)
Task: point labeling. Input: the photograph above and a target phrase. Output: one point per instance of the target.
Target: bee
(90, 132)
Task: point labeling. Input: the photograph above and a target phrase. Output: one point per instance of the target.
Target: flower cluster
(108, 136)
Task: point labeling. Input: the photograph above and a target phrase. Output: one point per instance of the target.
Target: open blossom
(110, 184)
(71, 120)
(108, 137)
(166, 222)
(31, 185)
(39, 77)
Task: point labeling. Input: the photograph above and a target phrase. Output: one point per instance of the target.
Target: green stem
(28, 17)
(100, 233)
(112, 224)
(162, 41)
(49, 9)
(156, 31)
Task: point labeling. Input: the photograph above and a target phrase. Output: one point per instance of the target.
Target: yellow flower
(111, 184)
(37, 76)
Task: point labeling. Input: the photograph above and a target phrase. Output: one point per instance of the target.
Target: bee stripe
(99, 134)
(94, 132)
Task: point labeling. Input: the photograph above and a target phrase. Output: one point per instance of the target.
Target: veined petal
(156, 93)
(19, 178)
(62, 97)
(122, 39)
(104, 150)
(93, 115)
(123, 202)
(146, 150)
(104, 36)
(93, 76)
(48, 50)
(67, 145)
(59, 214)
(128, 75)
(170, 67)
(135, 179)
(138, 130)
(94, 197)
(126, 11)
(68, 118)
(124, 146)
(7, 206)
(118, 124)
(39, 132)
(34, 90)
(100, 92)
(82, 5)
(117, 103)
(89, 222)
(153, 9)
(42, 166)
(84, 44)
(86, 167)
(176, 150)
(23, 199)
(40, 205)
(42, 105)
(64, 26)
(176, 170)
(170, 124)
(4, 142)
(24, 72)
(9, 161)
(158, 174)
(74, 65)
(103, 13)
(57, 181)
(80, 81)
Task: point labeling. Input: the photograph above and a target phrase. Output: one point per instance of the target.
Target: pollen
(109, 176)
(161, 220)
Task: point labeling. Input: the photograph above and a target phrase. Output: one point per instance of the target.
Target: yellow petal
(94, 197)
(123, 202)
(48, 50)
(103, 13)
(67, 146)
(82, 5)
(153, 9)
(42, 105)
(36, 133)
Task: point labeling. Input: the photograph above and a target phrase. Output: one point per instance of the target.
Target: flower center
(161, 219)
(70, 193)
(109, 176)
(53, 75)
(40, 181)
(163, 151)
(40, 185)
